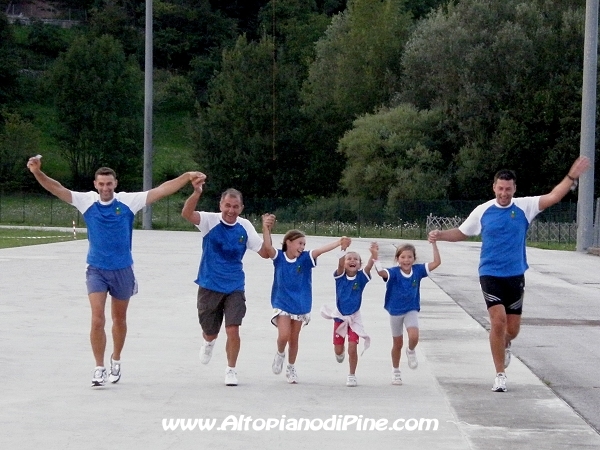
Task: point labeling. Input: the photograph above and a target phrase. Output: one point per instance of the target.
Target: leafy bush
(173, 93)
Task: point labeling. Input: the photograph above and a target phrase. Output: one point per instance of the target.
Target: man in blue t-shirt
(221, 279)
(503, 223)
(109, 219)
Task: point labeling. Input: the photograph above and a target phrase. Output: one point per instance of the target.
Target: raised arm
(452, 235)
(580, 165)
(189, 212)
(437, 260)
(328, 247)
(342, 259)
(172, 186)
(374, 249)
(375, 256)
(34, 165)
(267, 250)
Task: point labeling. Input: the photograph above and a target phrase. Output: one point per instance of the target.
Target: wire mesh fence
(334, 216)
(550, 232)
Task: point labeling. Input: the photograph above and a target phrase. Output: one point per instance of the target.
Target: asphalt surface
(47, 400)
(561, 318)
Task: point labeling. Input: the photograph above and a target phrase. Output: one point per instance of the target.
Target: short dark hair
(232, 193)
(105, 171)
(505, 174)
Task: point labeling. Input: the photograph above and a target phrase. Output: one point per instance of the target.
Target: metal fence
(550, 232)
(333, 216)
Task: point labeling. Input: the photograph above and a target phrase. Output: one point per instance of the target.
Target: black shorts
(213, 306)
(507, 291)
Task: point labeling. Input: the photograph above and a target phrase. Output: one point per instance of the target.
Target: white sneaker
(499, 383)
(115, 371)
(351, 381)
(411, 356)
(507, 355)
(340, 358)
(98, 376)
(230, 377)
(206, 351)
(277, 365)
(396, 377)
(291, 374)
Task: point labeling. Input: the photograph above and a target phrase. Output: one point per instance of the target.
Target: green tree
(98, 97)
(8, 63)
(357, 65)
(420, 8)
(295, 26)
(244, 13)
(19, 140)
(187, 28)
(356, 70)
(113, 18)
(394, 155)
(47, 40)
(188, 38)
(240, 144)
(508, 78)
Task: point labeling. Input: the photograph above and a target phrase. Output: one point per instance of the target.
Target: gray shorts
(120, 283)
(409, 320)
(213, 306)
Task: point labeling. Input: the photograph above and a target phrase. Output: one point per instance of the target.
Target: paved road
(561, 319)
(46, 360)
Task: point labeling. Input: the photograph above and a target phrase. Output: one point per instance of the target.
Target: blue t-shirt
(223, 247)
(292, 283)
(109, 226)
(503, 235)
(403, 293)
(348, 291)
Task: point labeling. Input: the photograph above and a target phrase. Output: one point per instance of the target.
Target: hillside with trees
(300, 99)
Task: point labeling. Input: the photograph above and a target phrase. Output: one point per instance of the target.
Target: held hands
(34, 164)
(197, 179)
(345, 242)
(580, 165)
(433, 236)
(268, 221)
(374, 249)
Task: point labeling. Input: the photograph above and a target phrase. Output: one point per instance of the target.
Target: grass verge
(20, 237)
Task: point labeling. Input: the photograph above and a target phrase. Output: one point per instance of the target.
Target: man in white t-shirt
(109, 218)
(503, 223)
(221, 279)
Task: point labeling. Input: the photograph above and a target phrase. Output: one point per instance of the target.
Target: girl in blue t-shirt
(291, 295)
(350, 281)
(403, 301)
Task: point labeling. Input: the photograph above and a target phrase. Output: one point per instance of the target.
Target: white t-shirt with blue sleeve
(503, 232)
(109, 226)
(223, 248)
